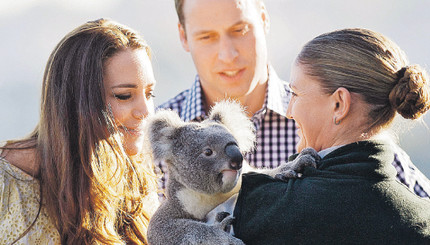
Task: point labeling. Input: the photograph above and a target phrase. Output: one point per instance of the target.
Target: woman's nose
(141, 110)
(289, 115)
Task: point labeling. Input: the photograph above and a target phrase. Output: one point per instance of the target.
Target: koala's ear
(233, 116)
(159, 129)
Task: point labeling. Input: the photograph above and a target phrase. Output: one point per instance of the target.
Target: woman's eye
(150, 94)
(208, 152)
(294, 94)
(122, 96)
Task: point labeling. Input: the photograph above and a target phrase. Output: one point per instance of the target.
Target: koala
(205, 162)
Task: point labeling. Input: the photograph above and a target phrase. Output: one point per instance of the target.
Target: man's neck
(252, 101)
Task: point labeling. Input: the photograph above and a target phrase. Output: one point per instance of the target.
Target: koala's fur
(198, 181)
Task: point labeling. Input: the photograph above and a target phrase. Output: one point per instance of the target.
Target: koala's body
(204, 161)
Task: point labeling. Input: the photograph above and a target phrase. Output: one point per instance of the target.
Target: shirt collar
(278, 93)
(277, 97)
(193, 107)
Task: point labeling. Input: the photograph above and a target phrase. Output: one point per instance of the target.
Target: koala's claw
(226, 223)
(289, 174)
(221, 216)
(308, 157)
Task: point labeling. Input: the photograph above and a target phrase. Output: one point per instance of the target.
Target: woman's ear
(342, 103)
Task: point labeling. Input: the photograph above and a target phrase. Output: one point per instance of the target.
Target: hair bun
(411, 95)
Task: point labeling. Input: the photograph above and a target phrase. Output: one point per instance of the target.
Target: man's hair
(179, 5)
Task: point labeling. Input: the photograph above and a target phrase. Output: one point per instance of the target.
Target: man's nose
(227, 49)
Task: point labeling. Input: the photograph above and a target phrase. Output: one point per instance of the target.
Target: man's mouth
(232, 73)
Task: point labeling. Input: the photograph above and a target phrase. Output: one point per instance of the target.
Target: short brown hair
(367, 63)
(179, 5)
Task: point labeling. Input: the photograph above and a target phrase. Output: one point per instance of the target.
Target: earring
(336, 123)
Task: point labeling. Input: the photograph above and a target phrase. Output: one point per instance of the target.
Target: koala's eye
(208, 152)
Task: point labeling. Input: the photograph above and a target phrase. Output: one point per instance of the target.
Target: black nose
(232, 151)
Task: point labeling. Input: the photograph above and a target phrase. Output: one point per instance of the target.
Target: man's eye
(122, 96)
(204, 38)
(241, 30)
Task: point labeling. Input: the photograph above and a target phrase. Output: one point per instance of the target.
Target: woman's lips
(132, 131)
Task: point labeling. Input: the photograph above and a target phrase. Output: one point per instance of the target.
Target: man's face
(227, 41)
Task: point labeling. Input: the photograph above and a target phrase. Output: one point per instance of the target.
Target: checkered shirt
(276, 135)
(410, 175)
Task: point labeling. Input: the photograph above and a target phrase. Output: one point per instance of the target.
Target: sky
(31, 28)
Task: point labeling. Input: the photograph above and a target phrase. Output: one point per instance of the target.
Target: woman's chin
(301, 145)
(133, 149)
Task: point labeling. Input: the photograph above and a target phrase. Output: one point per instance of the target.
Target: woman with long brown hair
(82, 176)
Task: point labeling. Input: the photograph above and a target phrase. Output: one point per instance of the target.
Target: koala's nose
(232, 151)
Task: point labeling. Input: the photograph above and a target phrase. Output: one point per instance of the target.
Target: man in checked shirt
(227, 42)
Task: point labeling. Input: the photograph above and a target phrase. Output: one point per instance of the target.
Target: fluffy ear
(233, 116)
(159, 128)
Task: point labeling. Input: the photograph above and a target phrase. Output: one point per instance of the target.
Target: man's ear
(341, 103)
(264, 17)
(183, 37)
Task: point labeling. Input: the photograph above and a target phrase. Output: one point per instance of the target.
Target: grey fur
(196, 155)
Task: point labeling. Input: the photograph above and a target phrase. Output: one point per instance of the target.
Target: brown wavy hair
(92, 190)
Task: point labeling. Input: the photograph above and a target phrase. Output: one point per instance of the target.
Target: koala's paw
(236, 241)
(308, 157)
(224, 221)
(221, 216)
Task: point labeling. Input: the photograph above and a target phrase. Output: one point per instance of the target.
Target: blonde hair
(92, 190)
(367, 63)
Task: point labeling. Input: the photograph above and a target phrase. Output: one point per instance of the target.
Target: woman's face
(311, 109)
(129, 83)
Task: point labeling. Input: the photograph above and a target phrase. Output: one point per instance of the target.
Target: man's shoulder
(175, 103)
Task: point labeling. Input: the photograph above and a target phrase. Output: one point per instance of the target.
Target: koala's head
(204, 156)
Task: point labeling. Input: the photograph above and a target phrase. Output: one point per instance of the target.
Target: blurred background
(30, 29)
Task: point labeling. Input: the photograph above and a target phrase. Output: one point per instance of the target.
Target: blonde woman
(82, 177)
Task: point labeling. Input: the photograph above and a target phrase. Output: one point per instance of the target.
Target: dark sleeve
(255, 209)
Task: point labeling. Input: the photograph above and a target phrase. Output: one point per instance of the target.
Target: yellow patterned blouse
(19, 204)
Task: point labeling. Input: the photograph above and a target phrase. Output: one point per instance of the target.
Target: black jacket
(353, 197)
